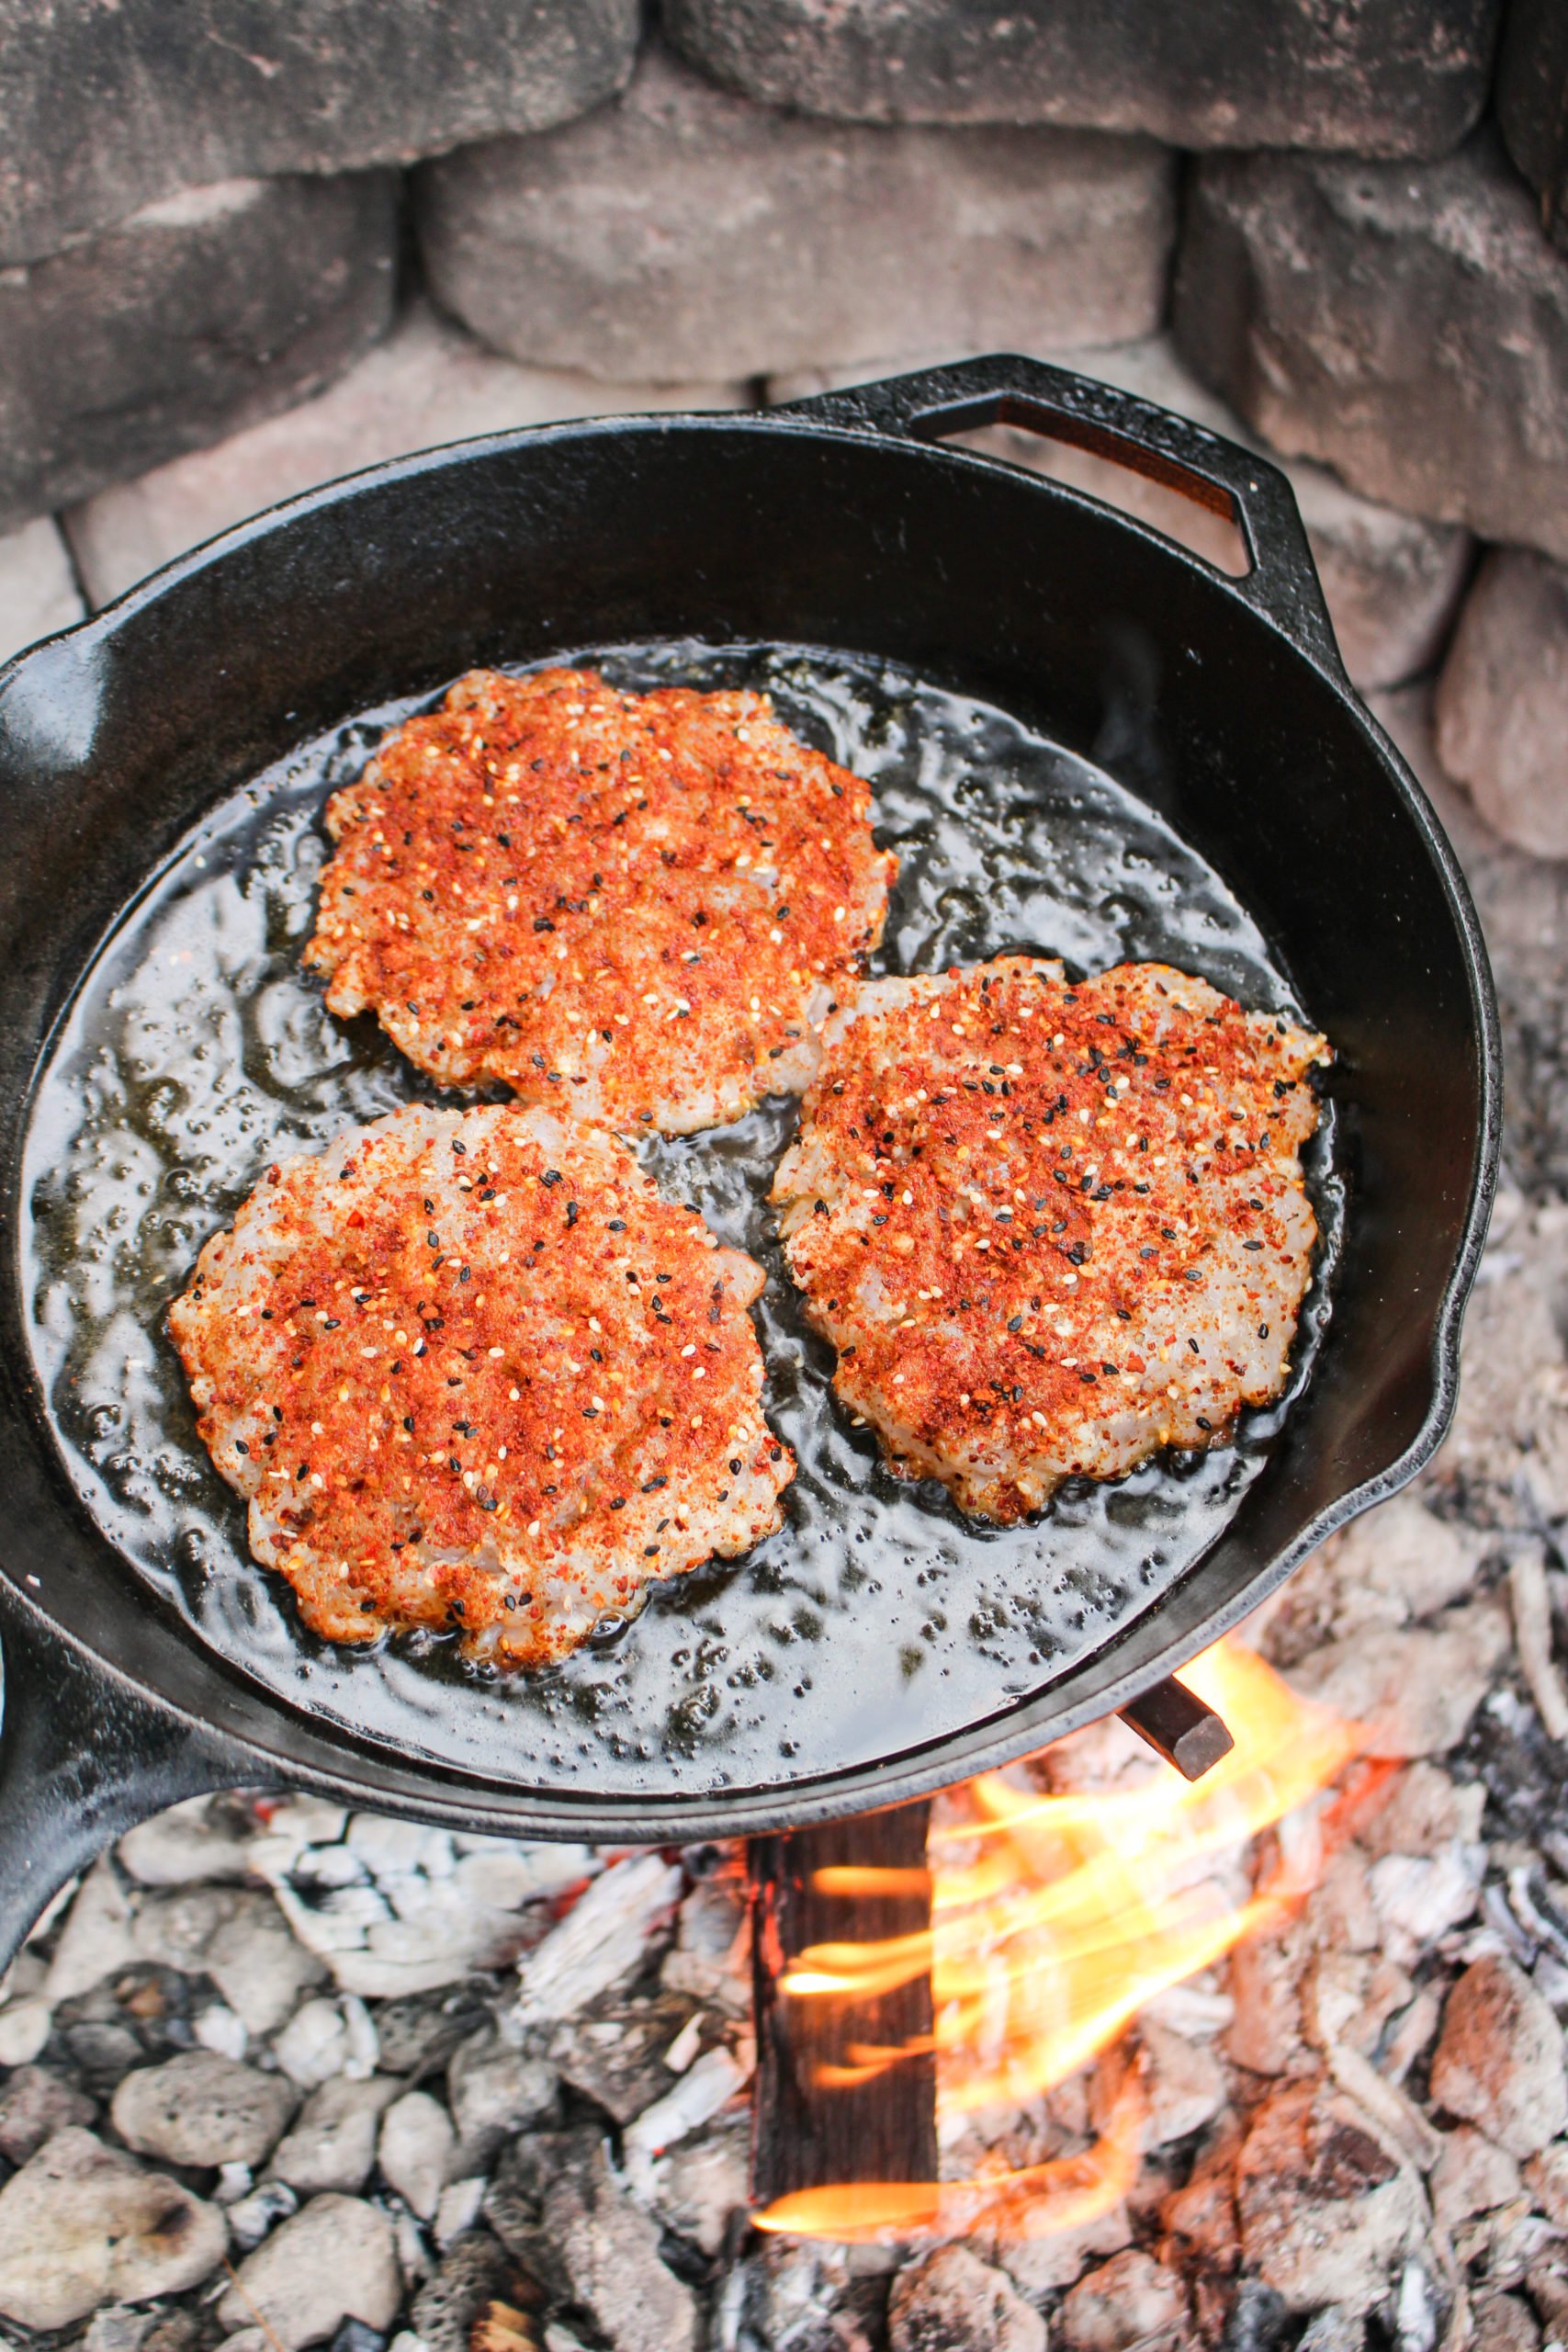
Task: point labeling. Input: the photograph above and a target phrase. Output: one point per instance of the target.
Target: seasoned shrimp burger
(635, 908)
(1051, 1227)
(470, 1371)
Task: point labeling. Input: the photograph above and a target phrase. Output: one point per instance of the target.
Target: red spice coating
(1051, 1229)
(632, 906)
(470, 1369)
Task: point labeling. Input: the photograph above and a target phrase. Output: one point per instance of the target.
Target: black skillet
(840, 523)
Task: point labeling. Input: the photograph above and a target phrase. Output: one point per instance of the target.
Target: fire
(1054, 1920)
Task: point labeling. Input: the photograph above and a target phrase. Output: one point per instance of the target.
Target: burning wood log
(821, 2115)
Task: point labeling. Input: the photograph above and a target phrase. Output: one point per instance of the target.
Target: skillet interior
(1105, 638)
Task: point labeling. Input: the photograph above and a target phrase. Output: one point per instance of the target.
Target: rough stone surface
(428, 383)
(1391, 582)
(336, 2260)
(183, 101)
(200, 2108)
(37, 589)
(196, 315)
(557, 2205)
(494, 2089)
(1502, 701)
(954, 2302)
(1401, 79)
(1413, 1691)
(34, 2106)
(415, 2150)
(681, 232)
(1325, 2212)
(333, 2143)
(1407, 324)
(1127, 2299)
(82, 2225)
(1499, 2059)
(1532, 103)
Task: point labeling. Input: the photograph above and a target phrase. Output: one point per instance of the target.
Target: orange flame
(1054, 1920)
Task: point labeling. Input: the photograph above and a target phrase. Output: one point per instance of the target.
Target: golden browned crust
(631, 907)
(471, 1370)
(1052, 1228)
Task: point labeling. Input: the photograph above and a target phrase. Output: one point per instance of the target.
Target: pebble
(334, 2260)
(457, 2208)
(83, 2224)
(326, 2038)
(34, 2105)
(200, 2108)
(188, 1844)
(1498, 2063)
(241, 1939)
(953, 2301)
(415, 2150)
(333, 2143)
(1127, 2299)
(250, 2218)
(96, 1937)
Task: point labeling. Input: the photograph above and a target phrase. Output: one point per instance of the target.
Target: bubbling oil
(196, 1050)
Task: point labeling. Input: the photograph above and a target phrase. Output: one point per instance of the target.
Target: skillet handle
(83, 1758)
(1218, 474)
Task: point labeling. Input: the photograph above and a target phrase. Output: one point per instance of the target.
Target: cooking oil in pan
(196, 1050)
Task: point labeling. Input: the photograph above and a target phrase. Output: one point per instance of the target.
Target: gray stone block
(197, 315)
(685, 232)
(102, 110)
(1407, 324)
(1502, 702)
(1532, 103)
(428, 383)
(1392, 581)
(1380, 77)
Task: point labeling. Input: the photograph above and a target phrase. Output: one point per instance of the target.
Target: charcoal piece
(197, 315)
(614, 2053)
(1384, 77)
(1532, 103)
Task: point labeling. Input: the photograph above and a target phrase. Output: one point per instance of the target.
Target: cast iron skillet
(841, 522)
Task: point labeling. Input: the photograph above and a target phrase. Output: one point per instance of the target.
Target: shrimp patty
(469, 1370)
(1050, 1229)
(634, 908)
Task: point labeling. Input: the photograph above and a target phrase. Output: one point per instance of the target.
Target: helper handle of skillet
(84, 1757)
(932, 403)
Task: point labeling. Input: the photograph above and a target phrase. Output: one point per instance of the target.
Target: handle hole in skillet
(1151, 488)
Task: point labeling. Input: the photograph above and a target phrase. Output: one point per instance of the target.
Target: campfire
(1053, 1919)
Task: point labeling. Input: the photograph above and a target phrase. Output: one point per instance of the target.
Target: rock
(1499, 2059)
(1407, 324)
(332, 2144)
(557, 2205)
(193, 317)
(24, 2027)
(37, 589)
(951, 2302)
(615, 2055)
(1502, 702)
(1115, 2307)
(1040, 2266)
(1547, 2177)
(602, 1941)
(1401, 80)
(1397, 1562)
(239, 1939)
(493, 2090)
(188, 1844)
(382, 81)
(1325, 2212)
(416, 2149)
(96, 1937)
(1532, 103)
(1425, 1813)
(198, 2109)
(428, 383)
(1502, 2323)
(327, 2038)
(1413, 1691)
(83, 2224)
(457, 2208)
(253, 2218)
(34, 2105)
(683, 231)
(1472, 2177)
(334, 2261)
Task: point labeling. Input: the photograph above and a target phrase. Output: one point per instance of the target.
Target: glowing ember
(1054, 1920)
